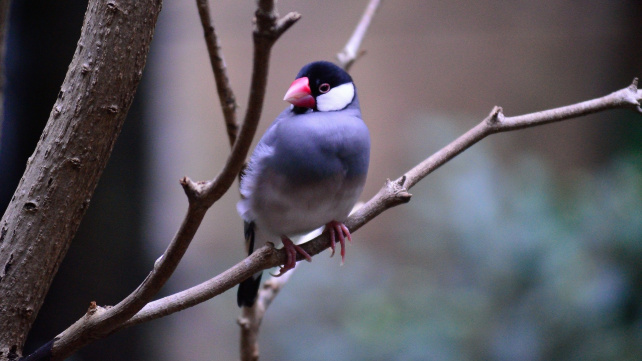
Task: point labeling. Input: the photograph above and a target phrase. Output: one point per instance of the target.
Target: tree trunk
(61, 175)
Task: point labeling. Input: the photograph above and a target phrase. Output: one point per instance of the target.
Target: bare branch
(223, 87)
(250, 323)
(350, 52)
(268, 28)
(251, 317)
(496, 122)
(392, 194)
(267, 255)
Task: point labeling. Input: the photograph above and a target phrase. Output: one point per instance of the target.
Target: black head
(323, 72)
(321, 86)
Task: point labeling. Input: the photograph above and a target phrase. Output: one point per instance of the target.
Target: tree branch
(496, 122)
(350, 52)
(251, 317)
(391, 194)
(223, 87)
(268, 28)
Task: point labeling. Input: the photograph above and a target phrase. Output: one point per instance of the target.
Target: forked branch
(351, 52)
(223, 87)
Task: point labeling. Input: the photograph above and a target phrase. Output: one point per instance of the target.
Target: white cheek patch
(336, 99)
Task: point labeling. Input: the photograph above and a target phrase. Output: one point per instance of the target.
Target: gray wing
(260, 157)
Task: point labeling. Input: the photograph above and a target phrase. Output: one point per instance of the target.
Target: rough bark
(61, 175)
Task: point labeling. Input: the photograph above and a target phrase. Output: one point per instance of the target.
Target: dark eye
(324, 88)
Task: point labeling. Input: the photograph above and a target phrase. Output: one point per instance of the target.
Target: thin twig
(251, 317)
(268, 28)
(496, 122)
(223, 87)
(393, 193)
(350, 52)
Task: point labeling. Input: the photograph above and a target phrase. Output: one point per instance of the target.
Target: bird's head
(321, 86)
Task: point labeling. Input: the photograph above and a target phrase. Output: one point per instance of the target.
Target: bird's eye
(324, 88)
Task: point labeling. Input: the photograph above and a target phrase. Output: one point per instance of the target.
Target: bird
(308, 169)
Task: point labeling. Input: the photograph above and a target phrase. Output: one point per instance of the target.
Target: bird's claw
(338, 230)
(291, 250)
(282, 271)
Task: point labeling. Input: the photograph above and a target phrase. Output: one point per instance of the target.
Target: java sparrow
(308, 169)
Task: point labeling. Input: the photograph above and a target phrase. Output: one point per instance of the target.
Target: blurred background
(528, 246)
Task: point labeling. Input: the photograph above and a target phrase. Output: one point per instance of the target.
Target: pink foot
(291, 250)
(338, 229)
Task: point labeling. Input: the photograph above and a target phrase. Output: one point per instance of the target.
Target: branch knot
(637, 95)
(193, 190)
(496, 115)
(397, 191)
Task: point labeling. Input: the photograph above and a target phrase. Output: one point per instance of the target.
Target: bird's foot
(340, 231)
(291, 250)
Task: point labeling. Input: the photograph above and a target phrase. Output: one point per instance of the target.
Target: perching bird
(308, 169)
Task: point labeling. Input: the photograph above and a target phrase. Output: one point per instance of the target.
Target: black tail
(249, 288)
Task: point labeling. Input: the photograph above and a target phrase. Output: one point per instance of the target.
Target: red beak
(299, 94)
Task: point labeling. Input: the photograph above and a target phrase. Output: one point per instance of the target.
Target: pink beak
(299, 94)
